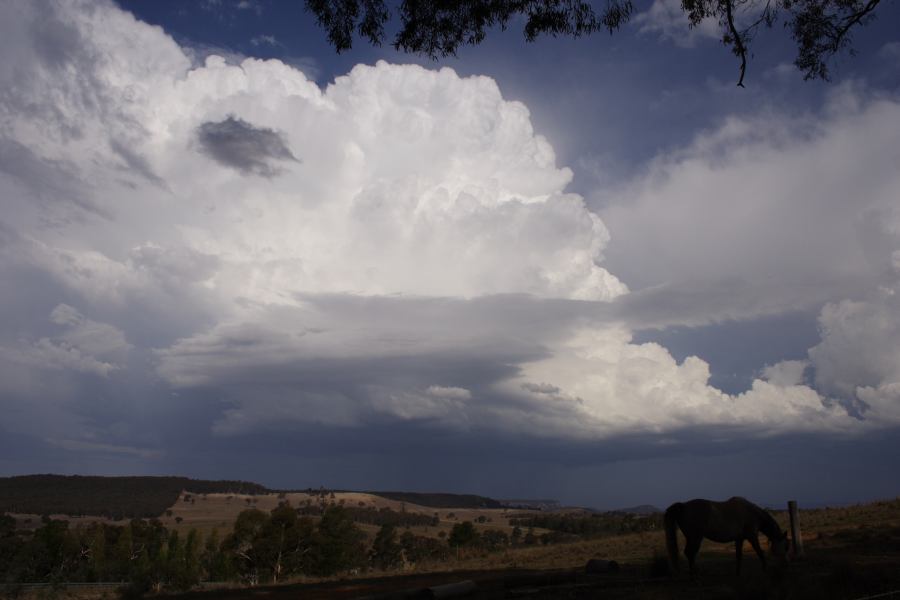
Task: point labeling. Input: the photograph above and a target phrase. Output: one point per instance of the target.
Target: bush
(463, 535)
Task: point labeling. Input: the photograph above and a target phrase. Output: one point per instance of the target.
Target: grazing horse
(734, 520)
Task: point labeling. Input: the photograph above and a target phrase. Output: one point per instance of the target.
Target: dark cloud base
(603, 474)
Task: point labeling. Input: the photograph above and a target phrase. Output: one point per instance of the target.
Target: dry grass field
(206, 512)
(851, 552)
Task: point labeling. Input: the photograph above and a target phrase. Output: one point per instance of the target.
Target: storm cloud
(424, 279)
(239, 145)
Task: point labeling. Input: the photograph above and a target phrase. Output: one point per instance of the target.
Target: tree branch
(739, 48)
(853, 20)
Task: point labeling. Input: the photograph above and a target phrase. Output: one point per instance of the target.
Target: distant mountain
(641, 509)
(113, 497)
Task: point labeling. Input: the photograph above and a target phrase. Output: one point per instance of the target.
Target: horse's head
(779, 545)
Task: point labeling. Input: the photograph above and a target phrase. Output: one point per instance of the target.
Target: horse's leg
(738, 552)
(754, 541)
(690, 550)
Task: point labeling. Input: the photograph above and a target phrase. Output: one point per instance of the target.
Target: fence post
(796, 538)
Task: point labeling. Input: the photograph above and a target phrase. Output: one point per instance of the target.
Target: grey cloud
(55, 184)
(360, 360)
(239, 145)
(174, 265)
(137, 163)
(353, 361)
(57, 43)
(410, 456)
(700, 303)
(541, 388)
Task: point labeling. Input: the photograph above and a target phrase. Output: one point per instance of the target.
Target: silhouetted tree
(820, 28)
(242, 545)
(386, 553)
(338, 544)
(516, 535)
(214, 561)
(284, 542)
(494, 539)
(463, 534)
(417, 548)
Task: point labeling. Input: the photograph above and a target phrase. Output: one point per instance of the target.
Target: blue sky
(590, 269)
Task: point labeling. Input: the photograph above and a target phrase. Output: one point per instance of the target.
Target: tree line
(262, 547)
(374, 516)
(588, 526)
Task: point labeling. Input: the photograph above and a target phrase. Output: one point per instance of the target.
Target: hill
(440, 500)
(148, 497)
(641, 509)
(112, 497)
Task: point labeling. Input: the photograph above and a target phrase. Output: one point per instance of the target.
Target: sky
(589, 269)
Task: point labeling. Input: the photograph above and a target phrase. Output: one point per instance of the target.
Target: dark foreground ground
(853, 564)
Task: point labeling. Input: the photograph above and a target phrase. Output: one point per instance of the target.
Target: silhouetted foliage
(587, 526)
(494, 539)
(271, 546)
(386, 552)
(386, 516)
(142, 554)
(417, 548)
(820, 28)
(463, 534)
(338, 544)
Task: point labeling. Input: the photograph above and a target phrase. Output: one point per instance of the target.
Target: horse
(734, 520)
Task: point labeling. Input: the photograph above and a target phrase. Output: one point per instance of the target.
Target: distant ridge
(150, 496)
(641, 509)
(535, 504)
(441, 500)
(112, 497)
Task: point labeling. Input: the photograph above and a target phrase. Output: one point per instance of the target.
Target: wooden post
(796, 538)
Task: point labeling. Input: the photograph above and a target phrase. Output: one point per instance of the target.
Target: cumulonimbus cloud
(423, 262)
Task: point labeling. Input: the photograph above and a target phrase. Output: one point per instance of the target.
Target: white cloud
(785, 373)
(418, 260)
(84, 345)
(606, 385)
(453, 393)
(768, 205)
(859, 356)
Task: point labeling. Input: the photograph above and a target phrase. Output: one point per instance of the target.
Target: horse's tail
(673, 513)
